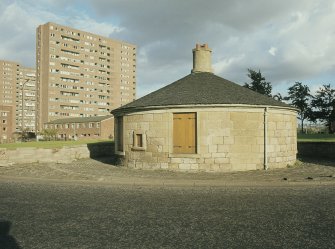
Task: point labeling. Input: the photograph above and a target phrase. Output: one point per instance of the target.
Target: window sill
(138, 148)
(184, 155)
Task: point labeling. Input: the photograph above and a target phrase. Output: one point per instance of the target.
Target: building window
(139, 140)
(184, 133)
(119, 133)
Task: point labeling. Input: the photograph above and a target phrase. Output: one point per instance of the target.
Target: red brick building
(7, 123)
(101, 127)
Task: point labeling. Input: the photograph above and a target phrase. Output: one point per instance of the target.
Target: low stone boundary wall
(66, 154)
(321, 150)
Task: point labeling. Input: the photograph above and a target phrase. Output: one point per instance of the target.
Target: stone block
(217, 140)
(241, 148)
(203, 149)
(209, 160)
(176, 160)
(223, 148)
(207, 155)
(158, 117)
(229, 140)
(164, 159)
(194, 166)
(189, 160)
(221, 160)
(164, 165)
(144, 126)
(148, 117)
(185, 166)
(212, 148)
(221, 154)
(174, 166)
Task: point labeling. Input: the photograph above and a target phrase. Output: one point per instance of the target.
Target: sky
(288, 41)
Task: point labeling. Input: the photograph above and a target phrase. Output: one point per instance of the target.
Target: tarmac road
(93, 204)
(75, 214)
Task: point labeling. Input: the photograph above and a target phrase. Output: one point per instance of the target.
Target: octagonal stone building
(203, 122)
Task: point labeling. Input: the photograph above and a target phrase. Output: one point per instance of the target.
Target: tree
(258, 83)
(300, 97)
(323, 105)
(278, 97)
(49, 134)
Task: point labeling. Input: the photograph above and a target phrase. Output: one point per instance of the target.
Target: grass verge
(51, 144)
(316, 137)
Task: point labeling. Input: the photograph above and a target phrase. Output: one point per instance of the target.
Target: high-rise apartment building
(80, 74)
(9, 76)
(26, 100)
(17, 87)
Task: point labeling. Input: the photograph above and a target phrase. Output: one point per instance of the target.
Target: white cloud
(224, 65)
(88, 24)
(273, 51)
(19, 20)
(287, 40)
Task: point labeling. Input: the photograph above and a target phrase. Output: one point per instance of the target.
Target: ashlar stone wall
(228, 139)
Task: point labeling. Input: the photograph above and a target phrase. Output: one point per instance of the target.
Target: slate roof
(201, 89)
(79, 120)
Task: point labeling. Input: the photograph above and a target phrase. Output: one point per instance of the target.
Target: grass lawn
(316, 137)
(51, 144)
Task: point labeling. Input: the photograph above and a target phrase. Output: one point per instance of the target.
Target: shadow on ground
(104, 152)
(7, 241)
(319, 161)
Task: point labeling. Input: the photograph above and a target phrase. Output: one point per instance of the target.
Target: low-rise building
(7, 124)
(203, 122)
(100, 127)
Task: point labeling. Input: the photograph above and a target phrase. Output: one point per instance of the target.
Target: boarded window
(184, 133)
(139, 140)
(119, 127)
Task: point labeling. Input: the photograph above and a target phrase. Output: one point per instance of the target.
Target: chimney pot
(202, 61)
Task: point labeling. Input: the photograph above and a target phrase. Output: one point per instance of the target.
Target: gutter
(123, 111)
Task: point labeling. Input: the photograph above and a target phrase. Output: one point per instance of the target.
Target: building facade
(9, 78)
(26, 100)
(203, 122)
(7, 125)
(80, 74)
(99, 127)
(17, 90)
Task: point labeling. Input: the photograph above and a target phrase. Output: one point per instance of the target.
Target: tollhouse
(203, 122)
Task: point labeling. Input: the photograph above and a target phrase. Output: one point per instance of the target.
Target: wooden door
(184, 133)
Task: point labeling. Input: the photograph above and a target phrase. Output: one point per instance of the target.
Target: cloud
(273, 51)
(287, 40)
(88, 24)
(243, 34)
(19, 20)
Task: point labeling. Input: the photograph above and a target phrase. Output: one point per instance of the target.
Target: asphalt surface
(75, 206)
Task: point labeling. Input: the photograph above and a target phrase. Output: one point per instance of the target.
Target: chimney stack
(202, 61)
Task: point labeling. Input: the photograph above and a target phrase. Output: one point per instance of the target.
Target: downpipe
(266, 138)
